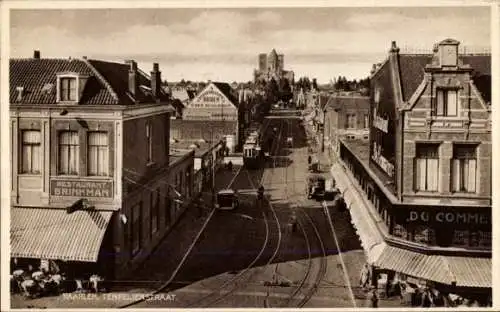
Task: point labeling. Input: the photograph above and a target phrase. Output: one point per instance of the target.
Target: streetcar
(252, 153)
(227, 199)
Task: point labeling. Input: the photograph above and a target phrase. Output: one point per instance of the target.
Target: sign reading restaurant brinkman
(81, 188)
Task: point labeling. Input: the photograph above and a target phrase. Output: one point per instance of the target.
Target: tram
(252, 153)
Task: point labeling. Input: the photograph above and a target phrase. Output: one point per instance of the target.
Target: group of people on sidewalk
(48, 280)
(410, 294)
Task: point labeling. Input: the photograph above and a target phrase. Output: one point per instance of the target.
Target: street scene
(167, 177)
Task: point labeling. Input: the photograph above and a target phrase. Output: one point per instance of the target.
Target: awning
(366, 228)
(463, 271)
(45, 233)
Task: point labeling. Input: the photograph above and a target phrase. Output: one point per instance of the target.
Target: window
(366, 121)
(136, 228)
(427, 167)
(30, 162)
(149, 137)
(464, 169)
(68, 89)
(461, 238)
(69, 150)
(350, 121)
(155, 211)
(98, 153)
(445, 103)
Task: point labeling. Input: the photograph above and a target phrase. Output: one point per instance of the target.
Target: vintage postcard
(303, 155)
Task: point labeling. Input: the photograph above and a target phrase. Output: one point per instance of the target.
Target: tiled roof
(226, 89)
(411, 67)
(34, 74)
(349, 102)
(107, 83)
(45, 233)
(481, 64)
(116, 74)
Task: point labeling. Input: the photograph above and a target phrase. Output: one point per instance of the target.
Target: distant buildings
(213, 114)
(419, 192)
(92, 179)
(272, 66)
(345, 117)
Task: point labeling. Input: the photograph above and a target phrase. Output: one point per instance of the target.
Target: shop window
(461, 238)
(445, 103)
(464, 166)
(30, 152)
(485, 239)
(98, 154)
(399, 231)
(427, 167)
(69, 152)
(474, 239)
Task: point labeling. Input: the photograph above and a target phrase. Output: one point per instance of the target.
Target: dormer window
(70, 87)
(67, 89)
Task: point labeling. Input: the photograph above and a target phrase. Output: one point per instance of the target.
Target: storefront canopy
(45, 233)
(461, 271)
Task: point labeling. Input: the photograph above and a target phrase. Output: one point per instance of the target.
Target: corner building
(91, 189)
(419, 192)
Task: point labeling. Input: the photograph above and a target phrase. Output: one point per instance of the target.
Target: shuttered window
(427, 168)
(464, 167)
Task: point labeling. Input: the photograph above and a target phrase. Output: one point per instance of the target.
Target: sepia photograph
(248, 157)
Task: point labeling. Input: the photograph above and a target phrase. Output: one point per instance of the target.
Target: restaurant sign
(81, 188)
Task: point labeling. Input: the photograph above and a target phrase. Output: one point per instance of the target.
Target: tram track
(170, 281)
(233, 284)
(302, 219)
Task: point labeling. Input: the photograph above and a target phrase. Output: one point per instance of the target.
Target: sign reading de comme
(81, 188)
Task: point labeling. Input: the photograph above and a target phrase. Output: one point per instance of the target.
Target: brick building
(90, 163)
(345, 117)
(208, 159)
(420, 192)
(212, 115)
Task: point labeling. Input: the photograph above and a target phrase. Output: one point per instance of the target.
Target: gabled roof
(348, 102)
(411, 68)
(107, 83)
(226, 89)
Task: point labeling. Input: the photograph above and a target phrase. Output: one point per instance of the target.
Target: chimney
(156, 81)
(36, 55)
(132, 77)
(394, 47)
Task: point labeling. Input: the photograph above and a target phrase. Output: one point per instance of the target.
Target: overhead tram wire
(240, 277)
(174, 274)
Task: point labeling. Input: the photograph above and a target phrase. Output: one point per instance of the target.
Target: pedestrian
(373, 298)
(309, 159)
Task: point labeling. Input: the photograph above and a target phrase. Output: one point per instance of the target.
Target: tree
(272, 91)
(286, 91)
(314, 84)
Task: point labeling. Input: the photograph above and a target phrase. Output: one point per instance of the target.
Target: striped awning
(45, 233)
(463, 271)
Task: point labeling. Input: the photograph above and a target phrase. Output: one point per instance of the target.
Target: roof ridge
(102, 79)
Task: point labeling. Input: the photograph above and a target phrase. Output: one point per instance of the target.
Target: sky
(223, 44)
